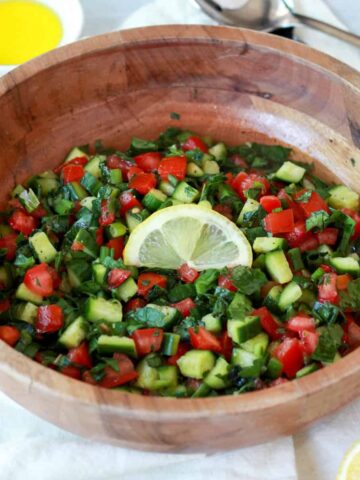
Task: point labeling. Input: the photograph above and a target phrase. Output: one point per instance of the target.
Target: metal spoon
(268, 15)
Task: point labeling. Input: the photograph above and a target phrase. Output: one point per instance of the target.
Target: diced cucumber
(62, 206)
(108, 344)
(43, 248)
(345, 265)
(27, 312)
(212, 324)
(274, 368)
(87, 202)
(99, 272)
(153, 199)
(93, 165)
(291, 294)
(290, 172)
(185, 193)
(343, 197)
(78, 272)
(170, 343)
(196, 363)
(75, 153)
(168, 374)
(210, 167)
(257, 345)
(44, 183)
(308, 297)
(166, 188)
(278, 267)
(88, 242)
(268, 244)
(272, 299)
(77, 192)
(23, 293)
(217, 378)
(5, 277)
(116, 229)
(242, 358)
(306, 370)
(295, 257)
(126, 290)
(170, 314)
(219, 151)
(99, 309)
(202, 391)
(152, 378)
(193, 170)
(133, 218)
(242, 330)
(29, 200)
(75, 333)
(250, 206)
(259, 261)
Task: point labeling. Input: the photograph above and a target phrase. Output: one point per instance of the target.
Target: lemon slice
(350, 466)
(188, 234)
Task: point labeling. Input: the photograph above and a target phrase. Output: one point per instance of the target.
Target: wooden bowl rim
(128, 405)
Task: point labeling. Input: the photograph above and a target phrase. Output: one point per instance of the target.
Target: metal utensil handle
(327, 28)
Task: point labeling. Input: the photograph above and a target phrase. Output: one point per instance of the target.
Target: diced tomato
(201, 339)
(184, 306)
(290, 354)
(268, 323)
(9, 335)
(225, 210)
(133, 171)
(71, 371)
(279, 222)
(107, 213)
(301, 322)
(39, 280)
(309, 244)
(229, 178)
(188, 274)
(50, 319)
(148, 340)
(328, 236)
(77, 247)
(72, 173)
(128, 201)
(149, 161)
(327, 289)
(117, 277)
(253, 180)
(327, 268)
(226, 345)
(342, 281)
(134, 304)
(298, 235)
(99, 236)
(269, 203)
(4, 305)
(80, 355)
(237, 181)
(115, 162)
(22, 222)
(353, 331)
(39, 212)
(182, 349)
(224, 281)
(75, 161)
(55, 277)
(175, 166)
(313, 204)
(195, 142)
(295, 207)
(117, 244)
(147, 281)
(308, 341)
(9, 243)
(125, 374)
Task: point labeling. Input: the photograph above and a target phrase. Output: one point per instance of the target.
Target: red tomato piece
(327, 289)
(184, 306)
(147, 281)
(133, 171)
(80, 355)
(289, 203)
(117, 244)
(308, 341)
(114, 162)
(107, 214)
(4, 305)
(126, 372)
(298, 235)
(253, 180)
(342, 281)
(71, 371)
(128, 201)
(22, 222)
(77, 247)
(270, 202)
(201, 339)
(313, 204)
(39, 280)
(327, 268)
(143, 182)
(229, 178)
(39, 212)
(55, 277)
(75, 161)
(299, 323)
(290, 354)
(182, 349)
(99, 236)
(226, 345)
(224, 281)
(72, 173)
(149, 161)
(148, 340)
(9, 242)
(188, 274)
(9, 335)
(134, 304)
(175, 166)
(117, 277)
(237, 181)
(195, 142)
(309, 244)
(225, 210)
(328, 236)
(268, 323)
(279, 222)
(50, 319)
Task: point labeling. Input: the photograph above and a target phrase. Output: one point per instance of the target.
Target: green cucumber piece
(250, 205)
(108, 344)
(74, 334)
(153, 199)
(43, 248)
(99, 309)
(290, 172)
(193, 170)
(185, 193)
(278, 267)
(257, 345)
(268, 244)
(196, 363)
(343, 197)
(274, 368)
(99, 273)
(75, 153)
(345, 265)
(170, 344)
(210, 167)
(211, 323)
(126, 290)
(167, 188)
(242, 358)
(306, 370)
(23, 293)
(219, 151)
(271, 300)
(93, 165)
(217, 378)
(291, 294)
(27, 312)
(88, 242)
(116, 229)
(242, 330)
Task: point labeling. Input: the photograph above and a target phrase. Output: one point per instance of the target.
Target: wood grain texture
(229, 83)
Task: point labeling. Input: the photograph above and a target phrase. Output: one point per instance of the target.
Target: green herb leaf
(305, 197)
(318, 220)
(350, 299)
(248, 280)
(329, 342)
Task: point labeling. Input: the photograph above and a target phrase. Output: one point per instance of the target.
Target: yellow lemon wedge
(350, 466)
(190, 234)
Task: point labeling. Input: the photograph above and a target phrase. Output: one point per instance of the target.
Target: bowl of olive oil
(29, 28)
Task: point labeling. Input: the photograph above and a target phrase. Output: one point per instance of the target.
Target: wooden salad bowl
(234, 85)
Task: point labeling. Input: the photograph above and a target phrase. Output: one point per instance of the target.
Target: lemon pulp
(27, 29)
